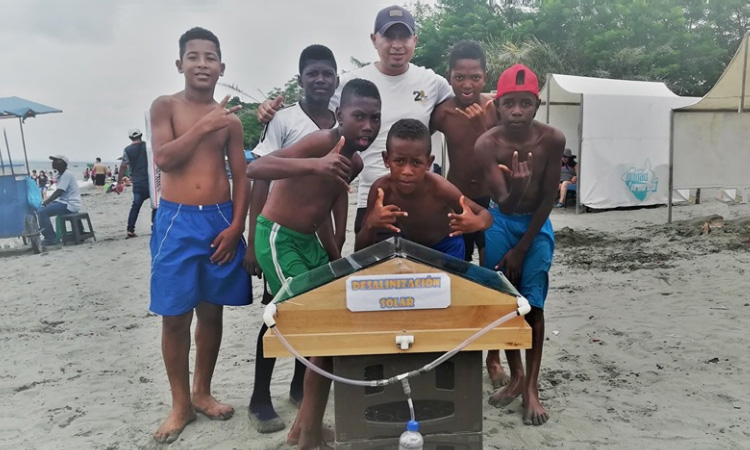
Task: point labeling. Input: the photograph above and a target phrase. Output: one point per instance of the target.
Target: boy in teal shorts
(294, 232)
(520, 241)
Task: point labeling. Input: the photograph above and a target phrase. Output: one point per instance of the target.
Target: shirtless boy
(419, 205)
(462, 119)
(521, 241)
(196, 246)
(318, 79)
(311, 179)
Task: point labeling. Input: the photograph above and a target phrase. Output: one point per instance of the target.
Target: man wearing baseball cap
(407, 90)
(520, 241)
(65, 200)
(135, 156)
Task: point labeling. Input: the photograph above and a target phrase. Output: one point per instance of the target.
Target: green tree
(292, 91)
(539, 56)
(451, 21)
(684, 43)
(252, 129)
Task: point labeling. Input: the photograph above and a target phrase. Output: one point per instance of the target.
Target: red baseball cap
(517, 78)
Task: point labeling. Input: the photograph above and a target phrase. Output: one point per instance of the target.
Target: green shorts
(283, 253)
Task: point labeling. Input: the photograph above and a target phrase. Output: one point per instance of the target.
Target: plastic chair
(77, 234)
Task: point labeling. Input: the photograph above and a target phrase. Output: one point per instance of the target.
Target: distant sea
(76, 167)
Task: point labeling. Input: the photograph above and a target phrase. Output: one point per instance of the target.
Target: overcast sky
(104, 61)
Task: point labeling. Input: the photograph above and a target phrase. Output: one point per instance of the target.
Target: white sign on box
(398, 292)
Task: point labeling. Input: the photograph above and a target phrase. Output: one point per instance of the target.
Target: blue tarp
(19, 107)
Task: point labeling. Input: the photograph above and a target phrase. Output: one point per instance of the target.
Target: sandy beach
(647, 342)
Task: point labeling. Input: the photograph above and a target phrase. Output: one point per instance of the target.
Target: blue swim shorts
(504, 234)
(182, 274)
(452, 246)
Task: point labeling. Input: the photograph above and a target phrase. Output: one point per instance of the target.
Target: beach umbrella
(22, 109)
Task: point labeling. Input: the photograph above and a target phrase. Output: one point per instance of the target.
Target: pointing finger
(392, 228)
(276, 103)
(514, 162)
(224, 102)
(234, 109)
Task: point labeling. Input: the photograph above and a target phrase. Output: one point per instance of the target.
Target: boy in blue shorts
(294, 232)
(196, 245)
(521, 241)
(416, 203)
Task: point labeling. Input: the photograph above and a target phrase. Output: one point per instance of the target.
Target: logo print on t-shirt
(419, 96)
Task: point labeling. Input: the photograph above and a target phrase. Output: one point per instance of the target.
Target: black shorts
(99, 179)
(476, 238)
(267, 297)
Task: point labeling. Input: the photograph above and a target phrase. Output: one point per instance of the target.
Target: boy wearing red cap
(520, 241)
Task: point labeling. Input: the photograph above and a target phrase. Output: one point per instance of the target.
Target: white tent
(710, 145)
(620, 131)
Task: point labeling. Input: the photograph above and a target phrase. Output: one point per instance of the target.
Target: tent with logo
(710, 145)
(619, 130)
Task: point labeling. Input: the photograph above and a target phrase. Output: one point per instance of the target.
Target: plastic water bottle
(411, 439)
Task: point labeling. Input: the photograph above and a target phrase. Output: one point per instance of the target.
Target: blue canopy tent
(22, 109)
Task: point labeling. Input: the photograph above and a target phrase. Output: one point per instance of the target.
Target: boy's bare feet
(320, 446)
(498, 377)
(170, 430)
(208, 406)
(293, 436)
(506, 395)
(533, 411)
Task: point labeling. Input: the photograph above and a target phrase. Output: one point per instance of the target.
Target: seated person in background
(416, 203)
(65, 200)
(568, 175)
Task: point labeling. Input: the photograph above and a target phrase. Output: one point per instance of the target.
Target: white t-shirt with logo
(411, 95)
(288, 126)
(71, 196)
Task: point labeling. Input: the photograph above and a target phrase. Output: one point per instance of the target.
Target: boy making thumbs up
(312, 179)
(418, 204)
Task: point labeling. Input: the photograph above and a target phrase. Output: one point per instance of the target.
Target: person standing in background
(99, 174)
(134, 156)
(42, 182)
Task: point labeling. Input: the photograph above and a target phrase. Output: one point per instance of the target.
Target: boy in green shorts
(294, 232)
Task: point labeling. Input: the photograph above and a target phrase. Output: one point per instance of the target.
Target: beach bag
(33, 194)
